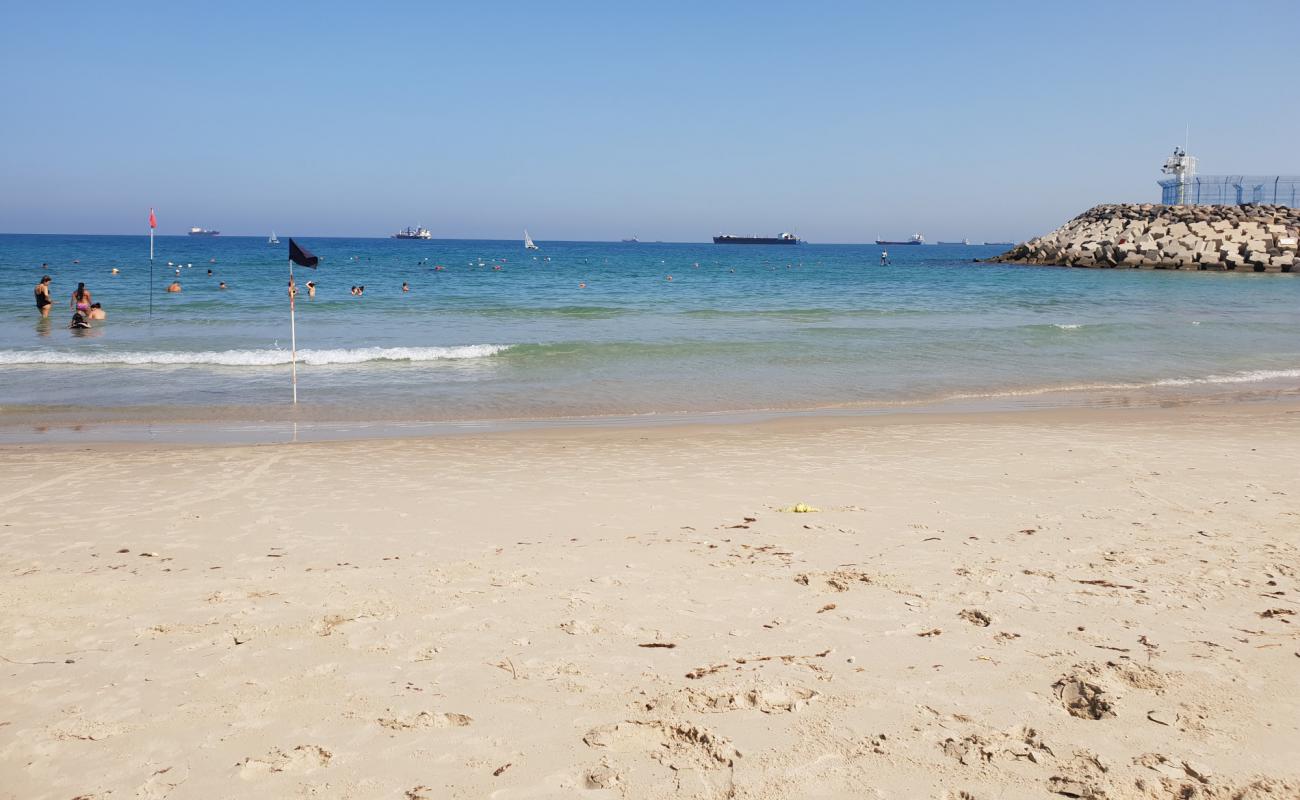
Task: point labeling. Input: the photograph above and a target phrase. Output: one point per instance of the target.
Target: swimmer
(97, 311)
(222, 285)
(209, 273)
(43, 301)
(361, 290)
(115, 271)
(405, 288)
(174, 287)
(311, 288)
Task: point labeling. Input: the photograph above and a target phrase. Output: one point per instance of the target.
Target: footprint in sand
(1084, 699)
(840, 580)
(770, 699)
(301, 759)
(676, 745)
(426, 719)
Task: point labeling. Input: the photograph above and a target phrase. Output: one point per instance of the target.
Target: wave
(1249, 376)
(251, 358)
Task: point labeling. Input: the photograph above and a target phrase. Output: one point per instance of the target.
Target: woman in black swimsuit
(43, 301)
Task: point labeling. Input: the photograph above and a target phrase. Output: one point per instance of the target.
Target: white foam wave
(1071, 326)
(1252, 376)
(251, 358)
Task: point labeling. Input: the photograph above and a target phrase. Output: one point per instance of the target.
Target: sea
(493, 335)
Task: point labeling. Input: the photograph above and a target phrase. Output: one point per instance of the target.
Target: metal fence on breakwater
(1232, 190)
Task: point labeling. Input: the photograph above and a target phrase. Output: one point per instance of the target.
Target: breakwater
(1248, 238)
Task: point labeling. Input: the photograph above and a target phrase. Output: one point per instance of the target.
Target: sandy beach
(1096, 604)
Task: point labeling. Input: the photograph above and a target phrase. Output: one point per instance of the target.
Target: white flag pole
(293, 334)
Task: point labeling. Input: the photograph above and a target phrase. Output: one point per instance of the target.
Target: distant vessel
(419, 232)
(273, 240)
(528, 242)
(633, 240)
(916, 239)
(962, 242)
(1000, 244)
(203, 232)
(727, 238)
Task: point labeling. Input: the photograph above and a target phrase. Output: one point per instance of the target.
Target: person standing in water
(884, 258)
(80, 301)
(43, 301)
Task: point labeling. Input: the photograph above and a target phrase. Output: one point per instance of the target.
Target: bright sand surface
(1092, 603)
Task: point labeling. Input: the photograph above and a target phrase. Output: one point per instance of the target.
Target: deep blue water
(500, 332)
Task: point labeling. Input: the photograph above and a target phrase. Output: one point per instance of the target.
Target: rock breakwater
(1251, 238)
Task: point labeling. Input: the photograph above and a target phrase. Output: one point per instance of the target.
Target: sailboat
(528, 242)
(273, 240)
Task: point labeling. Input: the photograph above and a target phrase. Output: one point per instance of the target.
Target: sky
(674, 121)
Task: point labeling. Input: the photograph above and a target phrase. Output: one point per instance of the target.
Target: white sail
(528, 241)
(273, 240)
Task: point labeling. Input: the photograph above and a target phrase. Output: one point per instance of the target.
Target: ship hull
(205, 233)
(896, 244)
(752, 240)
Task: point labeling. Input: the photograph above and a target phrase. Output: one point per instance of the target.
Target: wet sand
(1097, 604)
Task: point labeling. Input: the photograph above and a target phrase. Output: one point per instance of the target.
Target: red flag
(153, 221)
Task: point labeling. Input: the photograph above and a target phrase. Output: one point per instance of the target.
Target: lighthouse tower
(1183, 168)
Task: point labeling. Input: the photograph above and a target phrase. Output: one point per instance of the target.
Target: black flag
(301, 256)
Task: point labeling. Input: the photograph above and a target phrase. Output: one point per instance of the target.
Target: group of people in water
(83, 306)
(85, 309)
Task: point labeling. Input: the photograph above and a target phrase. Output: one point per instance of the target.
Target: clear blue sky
(601, 120)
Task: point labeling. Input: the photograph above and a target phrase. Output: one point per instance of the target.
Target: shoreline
(54, 427)
(1082, 601)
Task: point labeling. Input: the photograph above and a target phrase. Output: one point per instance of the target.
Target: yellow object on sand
(801, 508)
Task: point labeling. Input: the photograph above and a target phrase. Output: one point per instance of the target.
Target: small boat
(633, 240)
(528, 242)
(916, 239)
(273, 240)
(203, 232)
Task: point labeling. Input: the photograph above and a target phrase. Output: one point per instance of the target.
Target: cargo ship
(727, 238)
(203, 232)
(962, 242)
(413, 233)
(916, 239)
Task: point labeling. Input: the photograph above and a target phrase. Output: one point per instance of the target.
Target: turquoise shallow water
(503, 333)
